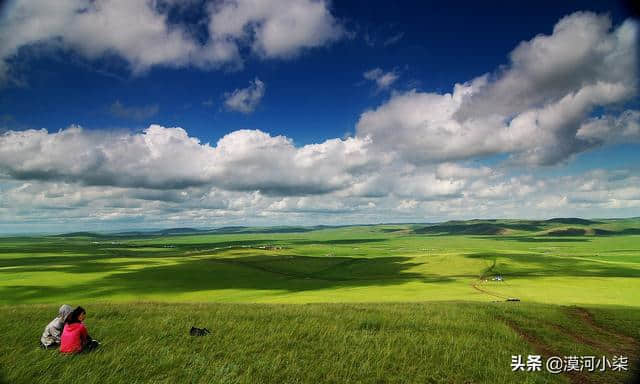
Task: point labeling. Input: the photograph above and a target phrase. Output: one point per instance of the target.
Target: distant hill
(178, 231)
(561, 226)
(568, 232)
(480, 227)
(195, 231)
(463, 229)
(571, 221)
(594, 231)
(161, 232)
(278, 229)
(553, 227)
(79, 234)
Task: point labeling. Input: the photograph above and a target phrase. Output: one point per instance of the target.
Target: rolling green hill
(385, 303)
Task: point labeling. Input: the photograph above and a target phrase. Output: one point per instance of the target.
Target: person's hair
(73, 316)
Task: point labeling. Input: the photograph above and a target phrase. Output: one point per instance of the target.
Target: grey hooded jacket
(53, 330)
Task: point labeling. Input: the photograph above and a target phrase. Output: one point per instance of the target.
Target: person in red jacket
(75, 337)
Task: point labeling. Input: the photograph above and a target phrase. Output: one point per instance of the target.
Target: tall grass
(452, 342)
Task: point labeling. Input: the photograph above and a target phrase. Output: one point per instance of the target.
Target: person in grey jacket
(52, 332)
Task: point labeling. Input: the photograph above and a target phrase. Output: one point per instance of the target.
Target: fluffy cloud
(599, 188)
(383, 80)
(139, 31)
(532, 109)
(454, 171)
(134, 30)
(245, 100)
(274, 28)
(254, 160)
(167, 158)
(157, 158)
(583, 50)
(410, 194)
(420, 127)
(426, 186)
(622, 128)
(596, 193)
(413, 158)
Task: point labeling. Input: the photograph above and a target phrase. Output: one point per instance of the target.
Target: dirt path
(546, 350)
(476, 285)
(618, 343)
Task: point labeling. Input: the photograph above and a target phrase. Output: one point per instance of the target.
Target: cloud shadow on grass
(537, 265)
(469, 228)
(534, 239)
(337, 241)
(284, 273)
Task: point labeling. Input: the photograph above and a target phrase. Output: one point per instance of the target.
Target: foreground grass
(440, 342)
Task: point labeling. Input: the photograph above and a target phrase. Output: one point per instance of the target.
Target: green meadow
(355, 304)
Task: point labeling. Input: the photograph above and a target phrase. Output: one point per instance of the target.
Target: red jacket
(74, 336)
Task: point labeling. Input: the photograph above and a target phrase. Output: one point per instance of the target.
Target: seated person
(52, 332)
(75, 337)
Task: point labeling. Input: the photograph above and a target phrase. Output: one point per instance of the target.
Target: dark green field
(371, 304)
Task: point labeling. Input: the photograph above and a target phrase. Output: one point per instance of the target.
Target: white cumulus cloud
(245, 100)
(622, 128)
(139, 31)
(532, 109)
(413, 158)
(168, 158)
(274, 28)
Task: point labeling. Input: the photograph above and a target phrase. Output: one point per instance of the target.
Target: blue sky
(317, 83)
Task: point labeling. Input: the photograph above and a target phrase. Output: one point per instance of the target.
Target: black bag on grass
(198, 331)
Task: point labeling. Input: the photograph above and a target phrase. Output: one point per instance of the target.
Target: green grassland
(385, 303)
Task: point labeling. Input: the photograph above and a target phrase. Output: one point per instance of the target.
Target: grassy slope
(353, 264)
(441, 341)
(454, 342)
